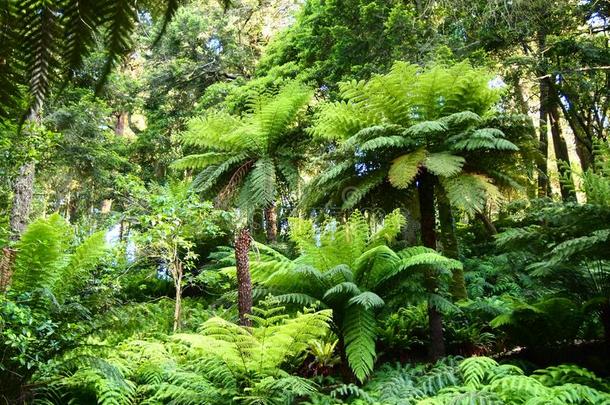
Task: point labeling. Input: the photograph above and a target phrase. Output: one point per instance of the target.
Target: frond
(276, 115)
(259, 187)
(200, 161)
(476, 370)
(444, 164)
(483, 139)
(359, 333)
(41, 254)
(404, 169)
(122, 18)
(367, 299)
(470, 192)
(213, 132)
(84, 259)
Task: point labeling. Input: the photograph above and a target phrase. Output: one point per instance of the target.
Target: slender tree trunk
(271, 222)
(450, 244)
(487, 223)
(178, 285)
(605, 318)
(582, 135)
(121, 123)
(6, 267)
(543, 179)
(428, 232)
(23, 190)
(523, 107)
(566, 184)
(244, 282)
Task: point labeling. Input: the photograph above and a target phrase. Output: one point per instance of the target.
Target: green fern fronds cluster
(347, 268)
(394, 126)
(46, 259)
(221, 364)
(476, 380)
(249, 158)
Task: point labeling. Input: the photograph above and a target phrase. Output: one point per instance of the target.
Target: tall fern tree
(348, 268)
(250, 161)
(424, 132)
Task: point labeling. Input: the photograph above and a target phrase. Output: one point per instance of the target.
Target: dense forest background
(317, 202)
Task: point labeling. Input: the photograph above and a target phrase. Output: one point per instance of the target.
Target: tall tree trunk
(122, 122)
(566, 184)
(271, 222)
(582, 134)
(428, 232)
(544, 188)
(6, 267)
(523, 107)
(178, 270)
(244, 282)
(23, 190)
(450, 244)
(487, 223)
(605, 318)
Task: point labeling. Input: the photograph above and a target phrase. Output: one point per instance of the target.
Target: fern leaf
(444, 164)
(404, 169)
(359, 332)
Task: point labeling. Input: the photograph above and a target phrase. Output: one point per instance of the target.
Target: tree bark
(23, 190)
(450, 244)
(6, 267)
(178, 285)
(489, 226)
(543, 180)
(605, 318)
(428, 232)
(121, 123)
(271, 222)
(566, 184)
(244, 282)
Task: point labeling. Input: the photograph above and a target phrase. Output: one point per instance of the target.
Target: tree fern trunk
(271, 222)
(346, 372)
(428, 232)
(244, 282)
(450, 244)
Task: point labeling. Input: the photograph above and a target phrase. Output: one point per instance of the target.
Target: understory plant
(349, 268)
(222, 363)
(475, 380)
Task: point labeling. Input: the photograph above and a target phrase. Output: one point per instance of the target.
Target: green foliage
(440, 119)
(477, 380)
(222, 363)
(254, 154)
(347, 268)
(43, 263)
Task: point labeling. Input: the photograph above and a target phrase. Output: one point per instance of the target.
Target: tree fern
(347, 268)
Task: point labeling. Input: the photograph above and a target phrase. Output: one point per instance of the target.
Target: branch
(584, 69)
